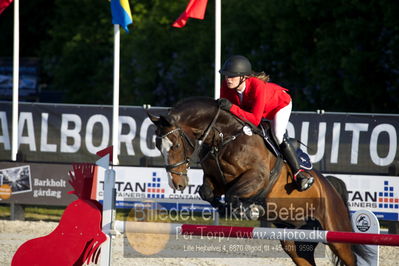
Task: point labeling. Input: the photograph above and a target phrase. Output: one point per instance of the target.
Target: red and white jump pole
(257, 233)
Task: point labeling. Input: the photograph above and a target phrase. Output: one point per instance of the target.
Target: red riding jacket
(260, 100)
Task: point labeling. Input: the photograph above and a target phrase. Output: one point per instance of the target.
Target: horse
(237, 164)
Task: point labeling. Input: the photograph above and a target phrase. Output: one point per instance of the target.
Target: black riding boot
(290, 156)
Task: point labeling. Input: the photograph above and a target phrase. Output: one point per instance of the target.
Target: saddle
(265, 130)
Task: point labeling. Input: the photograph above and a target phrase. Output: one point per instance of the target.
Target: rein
(170, 167)
(214, 151)
(208, 130)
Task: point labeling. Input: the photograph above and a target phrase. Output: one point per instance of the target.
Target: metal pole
(115, 113)
(108, 216)
(218, 45)
(15, 84)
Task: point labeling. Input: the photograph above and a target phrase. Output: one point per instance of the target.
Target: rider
(251, 97)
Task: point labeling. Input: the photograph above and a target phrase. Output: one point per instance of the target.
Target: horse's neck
(225, 130)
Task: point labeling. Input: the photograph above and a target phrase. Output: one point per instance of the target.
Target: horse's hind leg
(302, 253)
(344, 253)
(341, 223)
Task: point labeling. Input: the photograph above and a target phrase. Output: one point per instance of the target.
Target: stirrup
(303, 182)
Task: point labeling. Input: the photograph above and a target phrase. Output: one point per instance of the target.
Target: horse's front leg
(242, 197)
(207, 192)
(247, 185)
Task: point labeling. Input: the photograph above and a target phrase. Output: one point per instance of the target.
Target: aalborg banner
(336, 142)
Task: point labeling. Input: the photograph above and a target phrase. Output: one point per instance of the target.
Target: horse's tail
(360, 250)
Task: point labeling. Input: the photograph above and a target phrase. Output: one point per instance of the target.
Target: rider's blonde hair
(261, 75)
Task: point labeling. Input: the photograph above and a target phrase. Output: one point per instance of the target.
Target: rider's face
(233, 82)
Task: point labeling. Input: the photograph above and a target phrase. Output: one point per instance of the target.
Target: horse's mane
(197, 106)
(193, 105)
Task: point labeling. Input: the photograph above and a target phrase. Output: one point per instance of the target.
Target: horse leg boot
(290, 156)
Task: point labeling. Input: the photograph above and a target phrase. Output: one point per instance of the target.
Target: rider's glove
(224, 104)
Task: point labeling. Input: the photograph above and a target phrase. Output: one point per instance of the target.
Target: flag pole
(218, 45)
(15, 84)
(109, 178)
(115, 113)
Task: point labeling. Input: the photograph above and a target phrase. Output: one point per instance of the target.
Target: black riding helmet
(236, 65)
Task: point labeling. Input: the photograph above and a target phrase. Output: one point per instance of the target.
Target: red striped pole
(257, 233)
(363, 238)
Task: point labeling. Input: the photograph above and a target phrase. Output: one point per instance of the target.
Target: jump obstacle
(257, 233)
(80, 224)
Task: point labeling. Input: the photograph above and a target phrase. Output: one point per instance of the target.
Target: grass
(53, 214)
(4, 211)
(35, 213)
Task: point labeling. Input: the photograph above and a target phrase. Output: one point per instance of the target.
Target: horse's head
(176, 148)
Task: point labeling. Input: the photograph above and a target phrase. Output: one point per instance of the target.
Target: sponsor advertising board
(378, 194)
(35, 184)
(47, 184)
(135, 185)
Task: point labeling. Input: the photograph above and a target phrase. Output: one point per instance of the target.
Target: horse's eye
(176, 146)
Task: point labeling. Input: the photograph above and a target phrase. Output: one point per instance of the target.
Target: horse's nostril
(180, 187)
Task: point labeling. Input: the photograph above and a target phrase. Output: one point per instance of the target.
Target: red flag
(195, 9)
(4, 4)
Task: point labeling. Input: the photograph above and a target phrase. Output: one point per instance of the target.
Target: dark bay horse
(237, 164)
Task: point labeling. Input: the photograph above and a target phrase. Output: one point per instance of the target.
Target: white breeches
(280, 122)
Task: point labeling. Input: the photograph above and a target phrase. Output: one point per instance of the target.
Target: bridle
(186, 139)
(186, 160)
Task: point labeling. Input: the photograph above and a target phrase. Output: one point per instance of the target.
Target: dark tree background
(338, 55)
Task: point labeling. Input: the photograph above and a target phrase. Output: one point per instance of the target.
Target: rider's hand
(224, 104)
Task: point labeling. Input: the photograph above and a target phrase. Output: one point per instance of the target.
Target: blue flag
(121, 14)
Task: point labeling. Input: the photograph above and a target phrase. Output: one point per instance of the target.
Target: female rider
(252, 97)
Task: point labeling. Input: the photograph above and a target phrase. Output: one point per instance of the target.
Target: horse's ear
(164, 121)
(153, 118)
